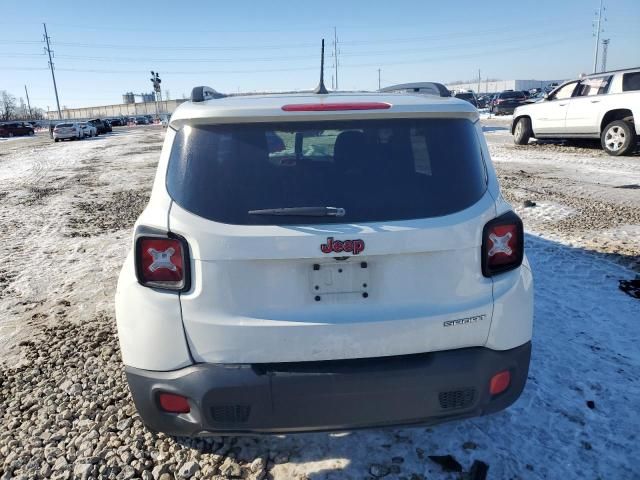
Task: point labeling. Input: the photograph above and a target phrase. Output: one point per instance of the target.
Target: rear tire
(56, 140)
(522, 132)
(618, 138)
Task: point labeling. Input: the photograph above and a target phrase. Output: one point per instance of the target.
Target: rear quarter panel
(621, 100)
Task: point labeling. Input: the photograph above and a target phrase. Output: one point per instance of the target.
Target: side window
(593, 86)
(564, 92)
(631, 82)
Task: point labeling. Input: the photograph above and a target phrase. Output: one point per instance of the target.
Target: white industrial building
(493, 86)
(117, 110)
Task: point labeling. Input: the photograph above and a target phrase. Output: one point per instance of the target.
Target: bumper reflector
(172, 403)
(499, 382)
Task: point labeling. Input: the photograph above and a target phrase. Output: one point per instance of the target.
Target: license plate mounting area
(340, 279)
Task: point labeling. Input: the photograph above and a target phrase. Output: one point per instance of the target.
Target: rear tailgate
(398, 274)
(262, 306)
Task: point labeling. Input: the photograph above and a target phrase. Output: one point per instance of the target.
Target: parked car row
(505, 102)
(117, 121)
(80, 130)
(133, 120)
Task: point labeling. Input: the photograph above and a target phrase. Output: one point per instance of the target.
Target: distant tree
(7, 105)
(37, 113)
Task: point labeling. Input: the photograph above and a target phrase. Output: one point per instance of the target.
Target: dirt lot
(583, 196)
(66, 211)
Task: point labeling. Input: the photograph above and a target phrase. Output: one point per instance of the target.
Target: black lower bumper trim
(333, 395)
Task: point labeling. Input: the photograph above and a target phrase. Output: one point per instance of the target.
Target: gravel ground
(65, 411)
(67, 414)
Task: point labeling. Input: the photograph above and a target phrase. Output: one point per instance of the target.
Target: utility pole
(53, 76)
(605, 47)
(28, 102)
(598, 27)
(478, 81)
(335, 54)
(378, 79)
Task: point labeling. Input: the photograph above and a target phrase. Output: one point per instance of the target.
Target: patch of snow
(485, 115)
(11, 139)
(545, 211)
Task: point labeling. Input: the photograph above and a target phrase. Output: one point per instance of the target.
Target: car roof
(268, 108)
(622, 70)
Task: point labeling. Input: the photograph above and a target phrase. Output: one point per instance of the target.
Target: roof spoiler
(203, 93)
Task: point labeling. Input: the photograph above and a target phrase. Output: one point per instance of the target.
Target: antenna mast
(321, 88)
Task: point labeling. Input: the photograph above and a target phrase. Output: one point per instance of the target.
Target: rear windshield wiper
(301, 211)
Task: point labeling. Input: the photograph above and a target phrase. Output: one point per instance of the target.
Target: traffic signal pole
(155, 80)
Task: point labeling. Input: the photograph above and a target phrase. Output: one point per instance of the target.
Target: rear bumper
(330, 395)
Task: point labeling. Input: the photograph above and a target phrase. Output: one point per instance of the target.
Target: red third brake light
(502, 244)
(332, 107)
(161, 262)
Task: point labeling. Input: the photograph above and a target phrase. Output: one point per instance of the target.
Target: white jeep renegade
(324, 262)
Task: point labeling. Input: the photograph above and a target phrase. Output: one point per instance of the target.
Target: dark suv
(101, 126)
(15, 129)
(506, 102)
(469, 97)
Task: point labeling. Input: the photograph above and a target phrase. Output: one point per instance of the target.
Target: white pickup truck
(603, 105)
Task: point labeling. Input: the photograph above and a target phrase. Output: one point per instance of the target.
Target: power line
(469, 54)
(448, 36)
(293, 46)
(455, 57)
(395, 53)
(186, 47)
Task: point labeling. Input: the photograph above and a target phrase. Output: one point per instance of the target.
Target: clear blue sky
(105, 48)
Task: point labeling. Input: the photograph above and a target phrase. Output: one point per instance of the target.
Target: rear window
(377, 170)
(465, 96)
(63, 125)
(631, 81)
